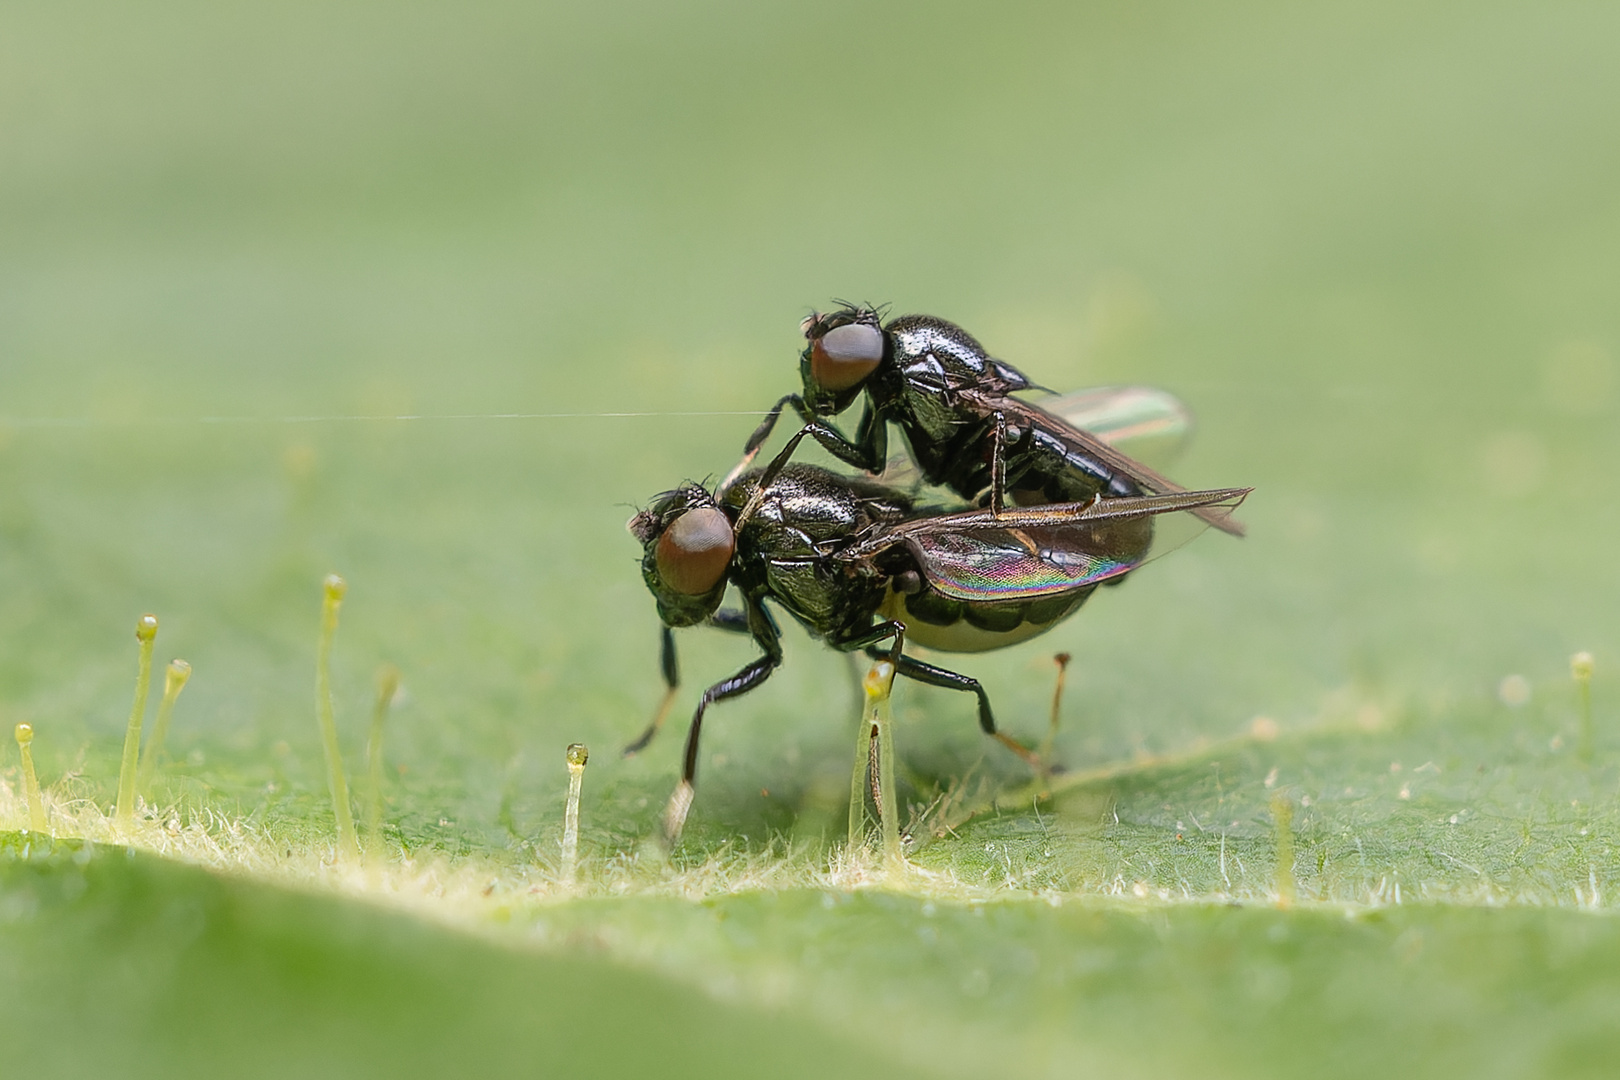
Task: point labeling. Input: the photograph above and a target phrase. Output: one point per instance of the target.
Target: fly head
(842, 350)
(687, 544)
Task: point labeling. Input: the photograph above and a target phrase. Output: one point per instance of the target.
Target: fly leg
(672, 683)
(1003, 437)
(681, 801)
(930, 675)
(735, 621)
(763, 629)
(998, 465)
(761, 433)
(869, 452)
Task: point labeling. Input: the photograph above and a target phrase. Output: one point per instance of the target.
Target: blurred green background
(1374, 246)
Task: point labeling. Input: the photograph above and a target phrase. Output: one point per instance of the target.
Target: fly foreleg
(761, 433)
(829, 437)
(672, 683)
(763, 629)
(735, 622)
(681, 801)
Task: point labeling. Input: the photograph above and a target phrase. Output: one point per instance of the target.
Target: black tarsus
(930, 675)
(950, 680)
(869, 451)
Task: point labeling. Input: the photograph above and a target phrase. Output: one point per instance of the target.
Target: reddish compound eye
(845, 356)
(695, 550)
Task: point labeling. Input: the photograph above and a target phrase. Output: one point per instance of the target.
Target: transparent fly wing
(1045, 550)
(1150, 425)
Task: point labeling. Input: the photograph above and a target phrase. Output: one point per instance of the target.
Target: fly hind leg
(930, 675)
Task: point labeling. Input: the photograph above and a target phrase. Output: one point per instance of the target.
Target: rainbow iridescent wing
(1036, 551)
(1029, 562)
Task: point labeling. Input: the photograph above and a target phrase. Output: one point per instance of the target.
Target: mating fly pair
(861, 565)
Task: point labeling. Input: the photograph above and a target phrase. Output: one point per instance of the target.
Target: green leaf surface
(123, 965)
(434, 298)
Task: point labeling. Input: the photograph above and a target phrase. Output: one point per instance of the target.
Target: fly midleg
(998, 465)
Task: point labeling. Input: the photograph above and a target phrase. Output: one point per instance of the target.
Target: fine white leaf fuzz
(578, 755)
(174, 681)
(332, 591)
(146, 628)
(36, 805)
(387, 689)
